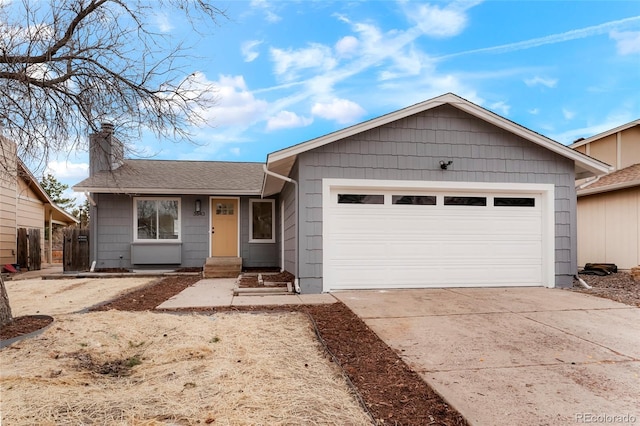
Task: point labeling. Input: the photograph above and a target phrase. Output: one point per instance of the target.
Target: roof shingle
(168, 176)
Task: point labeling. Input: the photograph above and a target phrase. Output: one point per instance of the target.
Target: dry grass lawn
(54, 297)
(158, 369)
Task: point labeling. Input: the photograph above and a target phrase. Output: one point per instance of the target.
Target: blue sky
(290, 71)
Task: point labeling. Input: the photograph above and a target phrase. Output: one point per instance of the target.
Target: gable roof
(57, 214)
(620, 179)
(177, 177)
(281, 162)
(609, 132)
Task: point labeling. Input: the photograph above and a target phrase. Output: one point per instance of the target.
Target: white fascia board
(608, 188)
(359, 128)
(103, 190)
(595, 166)
(604, 134)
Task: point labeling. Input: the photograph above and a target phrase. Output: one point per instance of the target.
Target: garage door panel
(436, 276)
(415, 246)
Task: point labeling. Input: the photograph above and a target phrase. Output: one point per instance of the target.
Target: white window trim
(273, 220)
(156, 241)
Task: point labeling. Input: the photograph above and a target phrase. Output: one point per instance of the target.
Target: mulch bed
(271, 279)
(24, 325)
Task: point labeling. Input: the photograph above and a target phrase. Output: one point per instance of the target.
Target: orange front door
(224, 227)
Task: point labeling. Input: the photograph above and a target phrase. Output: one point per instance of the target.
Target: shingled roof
(177, 177)
(620, 179)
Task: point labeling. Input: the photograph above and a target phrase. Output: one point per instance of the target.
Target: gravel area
(619, 286)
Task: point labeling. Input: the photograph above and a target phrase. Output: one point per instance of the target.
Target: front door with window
(224, 227)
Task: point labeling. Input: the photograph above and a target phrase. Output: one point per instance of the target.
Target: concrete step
(222, 267)
(262, 291)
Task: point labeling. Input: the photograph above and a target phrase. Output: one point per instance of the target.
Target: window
(157, 219)
(261, 213)
(360, 199)
(465, 201)
(424, 200)
(514, 202)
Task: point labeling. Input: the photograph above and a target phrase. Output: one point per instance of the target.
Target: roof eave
(605, 134)
(608, 188)
(158, 191)
(584, 164)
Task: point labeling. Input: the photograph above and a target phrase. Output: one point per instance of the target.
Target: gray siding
(288, 195)
(411, 149)
(115, 234)
(256, 255)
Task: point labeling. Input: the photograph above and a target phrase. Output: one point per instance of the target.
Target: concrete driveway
(515, 356)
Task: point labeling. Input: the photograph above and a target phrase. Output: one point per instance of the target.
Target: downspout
(296, 282)
(588, 182)
(94, 235)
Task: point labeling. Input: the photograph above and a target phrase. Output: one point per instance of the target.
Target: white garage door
(409, 238)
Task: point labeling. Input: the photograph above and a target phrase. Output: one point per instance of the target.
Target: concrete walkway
(516, 356)
(217, 292)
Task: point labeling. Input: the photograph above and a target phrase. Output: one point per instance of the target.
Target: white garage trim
(543, 194)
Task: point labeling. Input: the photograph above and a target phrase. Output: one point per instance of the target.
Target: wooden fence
(75, 250)
(29, 256)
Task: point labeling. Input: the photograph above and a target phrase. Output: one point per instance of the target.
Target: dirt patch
(62, 296)
(161, 368)
(618, 286)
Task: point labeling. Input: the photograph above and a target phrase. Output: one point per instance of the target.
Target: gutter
(296, 215)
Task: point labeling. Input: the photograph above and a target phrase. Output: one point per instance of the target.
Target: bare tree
(68, 65)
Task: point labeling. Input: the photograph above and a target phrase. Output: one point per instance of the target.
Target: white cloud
(537, 80)
(627, 42)
(552, 39)
(235, 105)
(567, 114)
(264, 5)
(249, 50)
(436, 21)
(289, 62)
(235, 151)
(500, 106)
(65, 170)
(287, 120)
(347, 46)
(534, 111)
(342, 111)
(163, 22)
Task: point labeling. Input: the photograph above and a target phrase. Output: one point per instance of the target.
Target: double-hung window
(262, 214)
(156, 219)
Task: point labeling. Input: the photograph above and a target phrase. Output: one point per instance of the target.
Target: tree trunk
(5, 309)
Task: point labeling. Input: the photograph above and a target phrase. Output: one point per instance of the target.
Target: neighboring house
(609, 205)
(24, 204)
(443, 193)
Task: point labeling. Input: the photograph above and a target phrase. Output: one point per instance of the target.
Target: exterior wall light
(197, 210)
(445, 164)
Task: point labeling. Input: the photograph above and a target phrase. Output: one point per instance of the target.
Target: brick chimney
(106, 152)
